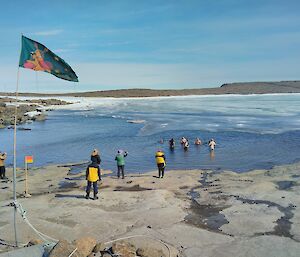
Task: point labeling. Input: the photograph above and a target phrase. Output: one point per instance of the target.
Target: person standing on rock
(93, 175)
(161, 163)
(2, 165)
(120, 158)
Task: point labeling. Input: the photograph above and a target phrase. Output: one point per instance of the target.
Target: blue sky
(153, 44)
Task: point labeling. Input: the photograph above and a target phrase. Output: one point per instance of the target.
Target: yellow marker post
(28, 159)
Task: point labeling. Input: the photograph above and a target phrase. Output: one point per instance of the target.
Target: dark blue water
(70, 136)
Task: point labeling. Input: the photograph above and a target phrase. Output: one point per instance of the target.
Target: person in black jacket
(93, 175)
(2, 165)
(95, 157)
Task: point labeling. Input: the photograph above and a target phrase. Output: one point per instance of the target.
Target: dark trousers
(2, 172)
(95, 187)
(121, 170)
(161, 169)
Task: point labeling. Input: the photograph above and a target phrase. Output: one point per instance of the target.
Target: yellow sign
(28, 159)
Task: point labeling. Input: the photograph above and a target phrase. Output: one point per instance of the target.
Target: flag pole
(15, 158)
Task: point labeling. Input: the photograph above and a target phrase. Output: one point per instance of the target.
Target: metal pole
(15, 158)
(26, 187)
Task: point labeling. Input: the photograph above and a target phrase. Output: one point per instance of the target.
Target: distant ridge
(243, 88)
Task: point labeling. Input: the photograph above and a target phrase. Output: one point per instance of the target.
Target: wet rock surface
(285, 185)
(257, 203)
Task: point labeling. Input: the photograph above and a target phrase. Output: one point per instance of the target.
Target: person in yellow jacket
(92, 176)
(161, 163)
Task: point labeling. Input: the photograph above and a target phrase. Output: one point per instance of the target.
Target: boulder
(63, 248)
(85, 245)
(124, 249)
(149, 252)
(35, 241)
(99, 247)
(40, 117)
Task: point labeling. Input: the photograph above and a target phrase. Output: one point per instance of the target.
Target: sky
(152, 44)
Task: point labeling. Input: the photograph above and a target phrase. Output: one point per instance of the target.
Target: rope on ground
(153, 238)
(10, 244)
(73, 252)
(22, 212)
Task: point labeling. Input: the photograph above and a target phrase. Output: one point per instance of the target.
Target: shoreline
(155, 129)
(199, 213)
(243, 88)
(67, 95)
(29, 110)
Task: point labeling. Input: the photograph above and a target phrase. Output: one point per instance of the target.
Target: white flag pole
(15, 158)
(15, 154)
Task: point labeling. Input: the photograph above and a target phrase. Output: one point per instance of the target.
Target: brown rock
(35, 241)
(40, 117)
(149, 252)
(63, 248)
(85, 245)
(140, 252)
(124, 249)
(99, 247)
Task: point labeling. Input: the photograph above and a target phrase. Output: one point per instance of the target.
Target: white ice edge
(89, 103)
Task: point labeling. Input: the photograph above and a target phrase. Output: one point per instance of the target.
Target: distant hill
(232, 88)
(262, 87)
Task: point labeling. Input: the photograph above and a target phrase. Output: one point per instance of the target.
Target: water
(256, 131)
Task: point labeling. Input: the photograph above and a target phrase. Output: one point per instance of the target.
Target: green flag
(37, 57)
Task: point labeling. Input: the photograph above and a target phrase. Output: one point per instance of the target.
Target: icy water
(255, 131)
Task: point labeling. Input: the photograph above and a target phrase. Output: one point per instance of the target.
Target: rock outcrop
(123, 249)
(63, 248)
(28, 110)
(84, 246)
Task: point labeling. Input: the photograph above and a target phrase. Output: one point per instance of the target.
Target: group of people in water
(185, 143)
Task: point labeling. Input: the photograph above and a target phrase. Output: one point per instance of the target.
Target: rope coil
(22, 212)
(48, 239)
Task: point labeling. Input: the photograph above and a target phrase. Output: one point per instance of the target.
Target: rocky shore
(28, 110)
(190, 213)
